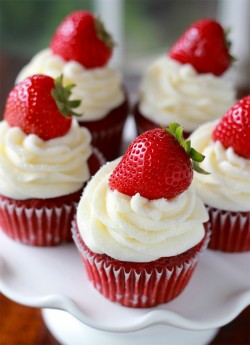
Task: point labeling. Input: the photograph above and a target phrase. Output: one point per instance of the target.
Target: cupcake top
(123, 212)
(42, 154)
(80, 50)
(171, 91)
(99, 89)
(187, 85)
(136, 228)
(31, 167)
(226, 146)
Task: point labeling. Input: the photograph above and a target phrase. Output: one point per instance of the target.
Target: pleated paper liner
(39, 222)
(230, 231)
(139, 285)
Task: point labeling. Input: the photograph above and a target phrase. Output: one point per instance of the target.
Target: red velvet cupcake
(140, 237)
(46, 160)
(226, 191)
(187, 85)
(136, 284)
(107, 132)
(81, 54)
(143, 124)
(230, 231)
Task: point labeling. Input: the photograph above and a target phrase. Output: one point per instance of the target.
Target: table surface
(21, 325)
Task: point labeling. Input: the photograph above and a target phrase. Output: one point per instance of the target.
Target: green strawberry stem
(228, 43)
(177, 131)
(102, 33)
(61, 95)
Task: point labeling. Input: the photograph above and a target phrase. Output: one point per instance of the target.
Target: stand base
(67, 330)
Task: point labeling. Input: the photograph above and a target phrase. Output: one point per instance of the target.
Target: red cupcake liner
(139, 285)
(230, 231)
(143, 124)
(107, 133)
(95, 161)
(38, 222)
(43, 222)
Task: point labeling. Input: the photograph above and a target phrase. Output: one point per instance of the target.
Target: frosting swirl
(99, 89)
(174, 92)
(228, 185)
(33, 168)
(135, 228)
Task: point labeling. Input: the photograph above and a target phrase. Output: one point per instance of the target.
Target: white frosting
(135, 228)
(174, 92)
(99, 89)
(33, 168)
(228, 185)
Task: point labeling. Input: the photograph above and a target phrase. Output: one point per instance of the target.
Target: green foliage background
(26, 26)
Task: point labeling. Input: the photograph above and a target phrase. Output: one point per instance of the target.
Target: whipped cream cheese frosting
(135, 228)
(33, 168)
(175, 92)
(99, 89)
(228, 185)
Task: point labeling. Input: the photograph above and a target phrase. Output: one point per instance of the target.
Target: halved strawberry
(156, 165)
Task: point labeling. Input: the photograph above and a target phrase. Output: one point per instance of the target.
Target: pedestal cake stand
(55, 280)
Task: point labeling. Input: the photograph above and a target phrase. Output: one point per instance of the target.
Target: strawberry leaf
(229, 44)
(61, 96)
(198, 169)
(173, 127)
(196, 156)
(187, 145)
(102, 33)
(177, 131)
(75, 103)
(179, 134)
(69, 87)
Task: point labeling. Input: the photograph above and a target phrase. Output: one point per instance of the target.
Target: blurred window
(142, 29)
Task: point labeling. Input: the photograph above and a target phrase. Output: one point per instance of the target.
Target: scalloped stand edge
(69, 331)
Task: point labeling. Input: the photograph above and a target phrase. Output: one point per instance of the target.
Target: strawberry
(156, 165)
(82, 37)
(233, 130)
(203, 45)
(37, 106)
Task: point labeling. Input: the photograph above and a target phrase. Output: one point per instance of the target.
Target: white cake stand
(55, 280)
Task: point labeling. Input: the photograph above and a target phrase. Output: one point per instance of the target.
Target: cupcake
(139, 226)
(45, 161)
(80, 50)
(188, 84)
(226, 191)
